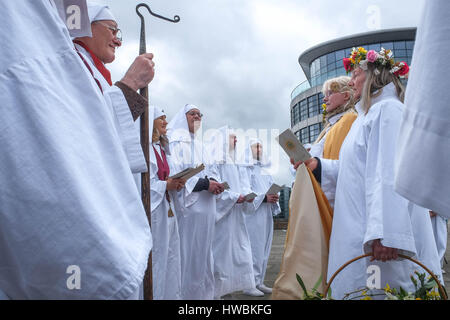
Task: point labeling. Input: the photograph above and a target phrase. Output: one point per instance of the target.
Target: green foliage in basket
(314, 294)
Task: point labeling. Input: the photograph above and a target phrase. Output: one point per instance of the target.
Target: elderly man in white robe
(259, 221)
(369, 216)
(195, 204)
(233, 270)
(126, 104)
(72, 223)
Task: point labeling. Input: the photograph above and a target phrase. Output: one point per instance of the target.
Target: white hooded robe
(195, 211)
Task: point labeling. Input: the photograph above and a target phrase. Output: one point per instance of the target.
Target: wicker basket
(441, 289)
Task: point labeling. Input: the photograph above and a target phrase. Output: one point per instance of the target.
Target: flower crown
(385, 58)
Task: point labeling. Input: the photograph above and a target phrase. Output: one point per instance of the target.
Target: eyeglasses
(193, 113)
(115, 31)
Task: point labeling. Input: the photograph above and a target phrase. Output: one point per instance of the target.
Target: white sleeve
(128, 132)
(387, 213)
(330, 170)
(225, 202)
(157, 187)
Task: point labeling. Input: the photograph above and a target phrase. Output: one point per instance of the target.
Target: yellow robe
(309, 228)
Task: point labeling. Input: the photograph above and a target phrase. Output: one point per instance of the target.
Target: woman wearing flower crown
(369, 216)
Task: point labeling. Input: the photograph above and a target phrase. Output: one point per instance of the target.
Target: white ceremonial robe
(233, 270)
(166, 257)
(196, 219)
(423, 152)
(440, 232)
(69, 208)
(127, 128)
(259, 221)
(367, 207)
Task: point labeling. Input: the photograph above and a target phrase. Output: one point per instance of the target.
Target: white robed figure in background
(422, 163)
(259, 221)
(195, 205)
(72, 223)
(166, 257)
(233, 270)
(369, 216)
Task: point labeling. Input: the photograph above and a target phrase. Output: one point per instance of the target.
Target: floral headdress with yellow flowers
(385, 58)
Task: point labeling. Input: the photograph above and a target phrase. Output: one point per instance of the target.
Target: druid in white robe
(259, 220)
(232, 251)
(195, 210)
(367, 207)
(166, 257)
(422, 165)
(72, 224)
(126, 127)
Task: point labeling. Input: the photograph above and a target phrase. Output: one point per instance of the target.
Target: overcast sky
(237, 60)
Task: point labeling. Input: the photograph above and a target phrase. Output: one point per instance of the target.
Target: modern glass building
(324, 62)
(285, 194)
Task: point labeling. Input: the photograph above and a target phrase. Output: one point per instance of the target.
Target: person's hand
(311, 163)
(272, 198)
(141, 72)
(383, 253)
(215, 187)
(241, 199)
(175, 184)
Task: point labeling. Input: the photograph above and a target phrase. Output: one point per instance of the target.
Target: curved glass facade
(330, 66)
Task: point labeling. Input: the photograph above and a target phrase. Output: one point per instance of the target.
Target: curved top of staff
(174, 20)
(142, 48)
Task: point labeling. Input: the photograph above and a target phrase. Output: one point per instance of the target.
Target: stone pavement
(273, 267)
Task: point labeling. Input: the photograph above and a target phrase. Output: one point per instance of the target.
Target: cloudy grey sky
(237, 60)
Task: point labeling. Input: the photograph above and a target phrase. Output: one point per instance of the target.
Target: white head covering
(157, 112)
(178, 129)
(154, 112)
(263, 162)
(219, 145)
(98, 12)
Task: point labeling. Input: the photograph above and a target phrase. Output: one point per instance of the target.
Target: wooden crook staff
(145, 177)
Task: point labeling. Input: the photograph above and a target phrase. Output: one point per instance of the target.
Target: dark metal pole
(145, 143)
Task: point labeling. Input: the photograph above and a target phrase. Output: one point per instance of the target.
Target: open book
(292, 146)
(274, 189)
(188, 173)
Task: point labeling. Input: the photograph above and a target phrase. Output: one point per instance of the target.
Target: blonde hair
(155, 135)
(375, 81)
(340, 84)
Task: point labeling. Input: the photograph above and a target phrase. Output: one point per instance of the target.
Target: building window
(303, 110)
(313, 106)
(399, 45)
(304, 135)
(314, 132)
(296, 114)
